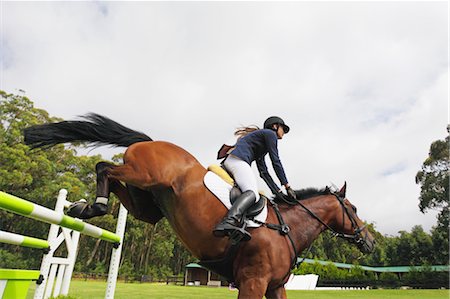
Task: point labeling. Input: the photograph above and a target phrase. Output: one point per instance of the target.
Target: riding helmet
(275, 120)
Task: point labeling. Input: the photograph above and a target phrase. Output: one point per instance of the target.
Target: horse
(160, 179)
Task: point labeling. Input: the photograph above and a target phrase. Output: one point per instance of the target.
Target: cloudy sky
(363, 85)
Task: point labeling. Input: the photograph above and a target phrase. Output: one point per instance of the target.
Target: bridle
(355, 238)
(284, 229)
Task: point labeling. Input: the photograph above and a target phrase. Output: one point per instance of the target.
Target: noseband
(356, 237)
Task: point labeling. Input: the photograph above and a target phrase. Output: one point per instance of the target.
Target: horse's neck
(305, 228)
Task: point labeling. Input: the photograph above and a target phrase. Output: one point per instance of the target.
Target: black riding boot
(232, 221)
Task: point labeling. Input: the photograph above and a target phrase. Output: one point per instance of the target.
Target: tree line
(154, 250)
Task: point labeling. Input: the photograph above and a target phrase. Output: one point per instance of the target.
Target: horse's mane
(303, 194)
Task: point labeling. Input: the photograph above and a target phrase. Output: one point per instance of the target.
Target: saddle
(251, 212)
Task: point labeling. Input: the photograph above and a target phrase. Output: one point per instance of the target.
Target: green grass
(96, 290)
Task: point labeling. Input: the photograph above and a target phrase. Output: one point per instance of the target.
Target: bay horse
(159, 179)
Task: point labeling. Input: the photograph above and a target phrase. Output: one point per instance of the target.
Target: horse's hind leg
(138, 202)
(103, 184)
(84, 210)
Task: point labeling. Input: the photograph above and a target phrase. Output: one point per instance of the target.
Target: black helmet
(275, 120)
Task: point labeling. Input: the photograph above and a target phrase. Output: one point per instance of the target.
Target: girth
(223, 266)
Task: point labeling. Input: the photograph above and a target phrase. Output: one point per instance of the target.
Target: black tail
(95, 129)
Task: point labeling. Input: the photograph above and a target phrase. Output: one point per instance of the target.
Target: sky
(363, 85)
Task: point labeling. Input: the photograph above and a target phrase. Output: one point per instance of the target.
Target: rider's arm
(272, 147)
(264, 173)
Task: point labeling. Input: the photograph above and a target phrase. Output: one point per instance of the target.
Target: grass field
(96, 290)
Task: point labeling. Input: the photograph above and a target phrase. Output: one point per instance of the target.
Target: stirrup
(239, 234)
(234, 232)
(223, 229)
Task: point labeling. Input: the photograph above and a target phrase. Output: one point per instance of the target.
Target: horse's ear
(343, 190)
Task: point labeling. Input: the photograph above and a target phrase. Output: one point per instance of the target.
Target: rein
(355, 238)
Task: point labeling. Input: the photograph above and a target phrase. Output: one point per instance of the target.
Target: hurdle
(28, 209)
(57, 268)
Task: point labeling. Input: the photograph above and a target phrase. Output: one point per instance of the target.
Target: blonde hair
(243, 131)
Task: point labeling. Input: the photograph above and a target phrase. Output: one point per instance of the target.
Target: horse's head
(348, 225)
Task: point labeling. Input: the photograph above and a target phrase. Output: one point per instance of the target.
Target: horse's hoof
(83, 210)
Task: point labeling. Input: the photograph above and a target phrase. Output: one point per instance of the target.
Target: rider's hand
(281, 196)
(291, 193)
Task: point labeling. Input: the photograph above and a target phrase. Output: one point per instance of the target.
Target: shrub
(10, 260)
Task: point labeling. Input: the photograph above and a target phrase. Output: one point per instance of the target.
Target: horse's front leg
(278, 293)
(84, 210)
(252, 288)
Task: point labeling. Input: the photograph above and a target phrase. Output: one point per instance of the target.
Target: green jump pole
(15, 239)
(28, 209)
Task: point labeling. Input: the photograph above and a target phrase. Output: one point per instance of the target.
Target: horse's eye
(354, 209)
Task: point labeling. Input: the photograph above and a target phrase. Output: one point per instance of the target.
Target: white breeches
(242, 174)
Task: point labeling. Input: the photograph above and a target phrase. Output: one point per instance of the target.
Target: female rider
(253, 144)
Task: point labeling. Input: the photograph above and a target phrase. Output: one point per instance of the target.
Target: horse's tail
(94, 129)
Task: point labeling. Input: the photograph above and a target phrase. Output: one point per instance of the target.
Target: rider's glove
(291, 193)
(280, 196)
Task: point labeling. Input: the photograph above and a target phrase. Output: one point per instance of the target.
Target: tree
(37, 175)
(433, 179)
(34, 175)
(440, 249)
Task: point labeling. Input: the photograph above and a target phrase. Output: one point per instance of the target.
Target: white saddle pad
(222, 191)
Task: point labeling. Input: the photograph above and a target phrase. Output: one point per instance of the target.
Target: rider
(252, 145)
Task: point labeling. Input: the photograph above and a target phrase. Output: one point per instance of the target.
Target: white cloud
(363, 85)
